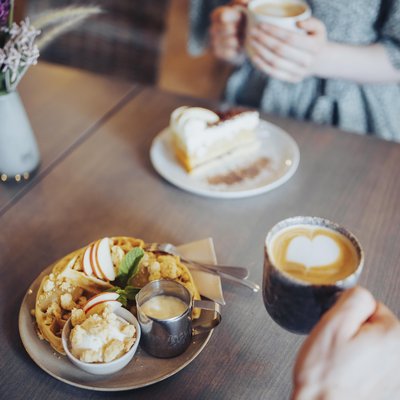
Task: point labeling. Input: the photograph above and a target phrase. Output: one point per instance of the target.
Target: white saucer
(271, 164)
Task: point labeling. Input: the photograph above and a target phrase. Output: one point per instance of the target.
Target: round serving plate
(143, 370)
(253, 171)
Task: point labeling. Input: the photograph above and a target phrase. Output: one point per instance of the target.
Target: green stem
(3, 89)
(11, 14)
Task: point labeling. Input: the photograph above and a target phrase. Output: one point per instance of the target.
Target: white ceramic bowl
(112, 366)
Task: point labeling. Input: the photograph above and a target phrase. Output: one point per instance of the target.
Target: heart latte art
(317, 252)
(314, 254)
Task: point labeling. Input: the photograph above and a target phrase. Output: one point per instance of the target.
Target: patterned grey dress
(366, 109)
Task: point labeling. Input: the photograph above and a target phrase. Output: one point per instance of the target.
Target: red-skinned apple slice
(98, 308)
(93, 260)
(104, 260)
(101, 298)
(87, 267)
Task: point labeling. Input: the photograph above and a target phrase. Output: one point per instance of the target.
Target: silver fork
(234, 274)
(238, 272)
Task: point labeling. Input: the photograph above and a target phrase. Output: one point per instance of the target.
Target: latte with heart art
(308, 261)
(314, 254)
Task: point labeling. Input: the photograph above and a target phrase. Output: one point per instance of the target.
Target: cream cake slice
(200, 135)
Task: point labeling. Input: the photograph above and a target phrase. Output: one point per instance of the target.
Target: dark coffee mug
(294, 304)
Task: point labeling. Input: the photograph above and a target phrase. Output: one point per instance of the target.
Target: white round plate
(254, 171)
(143, 370)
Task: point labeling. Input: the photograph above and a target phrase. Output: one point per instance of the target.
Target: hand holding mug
(286, 46)
(352, 353)
(287, 54)
(227, 32)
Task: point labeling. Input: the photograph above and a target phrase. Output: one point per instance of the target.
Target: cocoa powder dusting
(227, 115)
(239, 175)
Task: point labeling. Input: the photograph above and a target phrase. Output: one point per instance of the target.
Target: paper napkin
(209, 285)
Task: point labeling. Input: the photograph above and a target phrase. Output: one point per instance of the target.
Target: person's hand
(227, 32)
(353, 353)
(288, 55)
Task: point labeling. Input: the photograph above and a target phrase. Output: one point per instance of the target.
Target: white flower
(21, 49)
(19, 52)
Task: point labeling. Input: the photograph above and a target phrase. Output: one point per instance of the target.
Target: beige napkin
(209, 285)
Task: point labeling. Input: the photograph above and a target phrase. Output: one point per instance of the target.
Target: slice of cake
(200, 135)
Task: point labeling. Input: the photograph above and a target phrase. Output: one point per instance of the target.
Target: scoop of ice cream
(101, 338)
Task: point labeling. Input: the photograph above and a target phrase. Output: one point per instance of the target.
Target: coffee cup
(164, 310)
(308, 262)
(283, 13)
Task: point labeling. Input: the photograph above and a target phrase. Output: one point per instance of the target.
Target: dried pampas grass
(55, 22)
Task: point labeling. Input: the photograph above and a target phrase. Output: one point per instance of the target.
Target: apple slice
(101, 298)
(99, 307)
(93, 260)
(87, 267)
(104, 260)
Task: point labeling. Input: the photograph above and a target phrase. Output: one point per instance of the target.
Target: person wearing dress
(345, 72)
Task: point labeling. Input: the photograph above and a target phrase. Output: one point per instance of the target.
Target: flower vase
(19, 153)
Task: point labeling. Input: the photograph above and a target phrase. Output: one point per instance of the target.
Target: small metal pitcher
(170, 337)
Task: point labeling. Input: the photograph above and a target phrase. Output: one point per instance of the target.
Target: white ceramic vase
(19, 153)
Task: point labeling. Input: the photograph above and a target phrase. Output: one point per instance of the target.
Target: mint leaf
(123, 299)
(131, 292)
(129, 266)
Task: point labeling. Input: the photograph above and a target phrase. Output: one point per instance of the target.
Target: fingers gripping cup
(164, 310)
(308, 262)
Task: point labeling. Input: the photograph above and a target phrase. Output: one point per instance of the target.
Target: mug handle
(206, 326)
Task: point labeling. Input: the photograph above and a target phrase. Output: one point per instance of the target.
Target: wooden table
(54, 97)
(100, 182)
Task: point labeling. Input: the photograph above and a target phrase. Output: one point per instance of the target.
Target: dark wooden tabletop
(105, 185)
(53, 97)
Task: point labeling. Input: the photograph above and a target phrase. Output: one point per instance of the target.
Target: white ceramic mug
(285, 21)
(288, 22)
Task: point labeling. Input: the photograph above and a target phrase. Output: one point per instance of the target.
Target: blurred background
(135, 40)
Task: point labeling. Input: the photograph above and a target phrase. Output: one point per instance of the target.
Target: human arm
(353, 353)
(361, 64)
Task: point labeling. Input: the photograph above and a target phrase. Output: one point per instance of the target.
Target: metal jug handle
(206, 326)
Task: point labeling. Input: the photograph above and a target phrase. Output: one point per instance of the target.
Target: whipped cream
(199, 128)
(102, 338)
